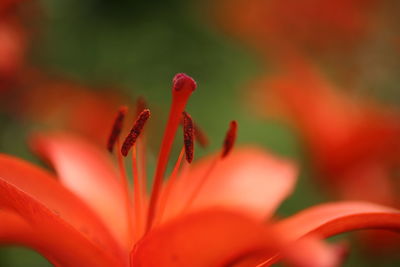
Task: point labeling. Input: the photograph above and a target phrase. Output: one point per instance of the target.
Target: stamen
(182, 88)
(135, 132)
(200, 185)
(141, 104)
(138, 196)
(188, 136)
(142, 158)
(230, 139)
(200, 136)
(169, 186)
(117, 128)
(124, 181)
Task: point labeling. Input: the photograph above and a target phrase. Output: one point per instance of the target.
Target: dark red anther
(117, 128)
(200, 136)
(188, 136)
(230, 139)
(182, 81)
(135, 132)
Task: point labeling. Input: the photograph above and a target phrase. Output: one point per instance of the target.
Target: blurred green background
(139, 46)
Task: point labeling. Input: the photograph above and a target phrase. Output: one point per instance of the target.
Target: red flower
(208, 214)
(352, 142)
(307, 25)
(62, 104)
(13, 43)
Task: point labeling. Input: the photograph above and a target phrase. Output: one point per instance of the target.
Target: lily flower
(311, 26)
(55, 102)
(208, 213)
(353, 143)
(13, 43)
(336, 35)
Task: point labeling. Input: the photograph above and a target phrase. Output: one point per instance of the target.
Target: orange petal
(207, 238)
(313, 252)
(60, 225)
(88, 172)
(14, 230)
(334, 218)
(249, 180)
(309, 251)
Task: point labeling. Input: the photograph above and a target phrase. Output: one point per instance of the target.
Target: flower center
(182, 88)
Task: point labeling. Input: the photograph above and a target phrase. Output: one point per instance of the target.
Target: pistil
(183, 86)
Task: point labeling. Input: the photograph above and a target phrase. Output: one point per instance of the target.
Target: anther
(188, 136)
(227, 147)
(135, 132)
(230, 139)
(117, 128)
(200, 136)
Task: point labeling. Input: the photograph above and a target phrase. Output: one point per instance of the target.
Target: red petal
(207, 238)
(14, 230)
(312, 252)
(346, 136)
(249, 180)
(63, 228)
(88, 172)
(335, 218)
(305, 252)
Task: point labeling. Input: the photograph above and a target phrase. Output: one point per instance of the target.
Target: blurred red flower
(57, 103)
(353, 143)
(13, 43)
(306, 25)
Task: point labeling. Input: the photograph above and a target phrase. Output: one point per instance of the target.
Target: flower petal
(89, 173)
(63, 228)
(334, 218)
(16, 231)
(207, 238)
(13, 229)
(313, 252)
(309, 251)
(249, 180)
